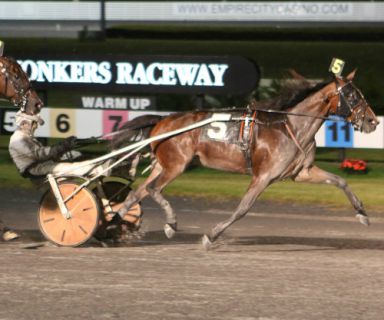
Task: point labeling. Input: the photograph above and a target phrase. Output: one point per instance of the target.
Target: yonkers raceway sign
(144, 73)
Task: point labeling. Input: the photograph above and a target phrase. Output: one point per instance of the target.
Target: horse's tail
(136, 129)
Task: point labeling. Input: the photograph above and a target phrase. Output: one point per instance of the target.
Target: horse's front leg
(255, 188)
(316, 175)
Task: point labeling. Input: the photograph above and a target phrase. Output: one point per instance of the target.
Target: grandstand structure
(68, 18)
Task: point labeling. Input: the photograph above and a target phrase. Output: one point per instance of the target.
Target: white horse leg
(135, 162)
(170, 226)
(155, 188)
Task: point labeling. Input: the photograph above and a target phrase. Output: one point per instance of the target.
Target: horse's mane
(290, 94)
(10, 60)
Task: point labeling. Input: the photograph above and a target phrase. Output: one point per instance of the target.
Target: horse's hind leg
(141, 192)
(155, 188)
(316, 175)
(256, 187)
(135, 162)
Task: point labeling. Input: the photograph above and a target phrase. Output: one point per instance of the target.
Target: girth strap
(246, 128)
(246, 137)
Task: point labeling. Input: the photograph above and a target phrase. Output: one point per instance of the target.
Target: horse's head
(15, 86)
(349, 103)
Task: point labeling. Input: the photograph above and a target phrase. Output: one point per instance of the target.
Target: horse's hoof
(10, 235)
(363, 219)
(206, 242)
(169, 231)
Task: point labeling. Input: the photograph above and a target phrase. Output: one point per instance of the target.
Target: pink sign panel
(113, 120)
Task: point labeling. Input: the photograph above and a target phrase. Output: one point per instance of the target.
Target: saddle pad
(228, 132)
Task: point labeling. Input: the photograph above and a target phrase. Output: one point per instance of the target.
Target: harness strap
(292, 135)
(246, 139)
(252, 125)
(246, 136)
(242, 125)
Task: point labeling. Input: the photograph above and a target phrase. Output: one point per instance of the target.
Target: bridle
(20, 99)
(351, 102)
(344, 108)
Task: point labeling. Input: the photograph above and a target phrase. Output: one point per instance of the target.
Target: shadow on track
(156, 238)
(335, 243)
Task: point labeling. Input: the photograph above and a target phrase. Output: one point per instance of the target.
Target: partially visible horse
(16, 87)
(281, 145)
(136, 129)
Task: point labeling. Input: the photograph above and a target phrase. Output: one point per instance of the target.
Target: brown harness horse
(283, 146)
(16, 87)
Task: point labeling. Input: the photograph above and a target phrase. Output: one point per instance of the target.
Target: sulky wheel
(113, 193)
(82, 224)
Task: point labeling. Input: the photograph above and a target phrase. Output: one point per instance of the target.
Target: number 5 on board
(337, 66)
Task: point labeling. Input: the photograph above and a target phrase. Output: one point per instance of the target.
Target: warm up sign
(85, 123)
(145, 73)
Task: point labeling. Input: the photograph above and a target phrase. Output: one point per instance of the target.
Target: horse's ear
(295, 75)
(351, 75)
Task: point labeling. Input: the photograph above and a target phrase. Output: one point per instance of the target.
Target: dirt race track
(279, 262)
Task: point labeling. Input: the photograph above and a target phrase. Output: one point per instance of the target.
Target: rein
(273, 111)
(291, 114)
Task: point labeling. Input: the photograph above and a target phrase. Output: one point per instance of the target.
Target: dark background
(308, 50)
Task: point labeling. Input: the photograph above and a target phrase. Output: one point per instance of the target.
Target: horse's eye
(352, 95)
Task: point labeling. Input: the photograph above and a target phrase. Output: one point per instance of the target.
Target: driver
(32, 159)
